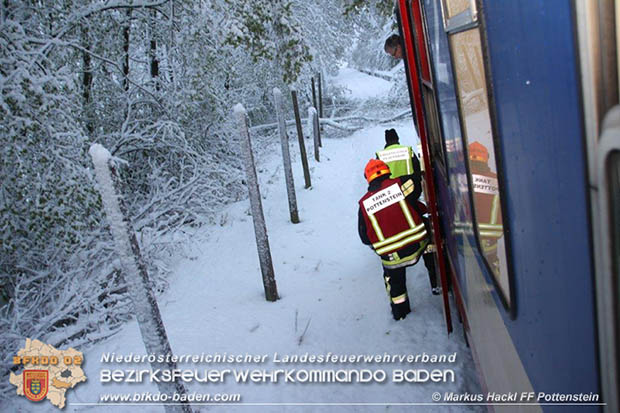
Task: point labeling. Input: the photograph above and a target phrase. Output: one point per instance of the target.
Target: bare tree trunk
(280, 41)
(87, 81)
(154, 63)
(171, 45)
(126, 39)
(5, 10)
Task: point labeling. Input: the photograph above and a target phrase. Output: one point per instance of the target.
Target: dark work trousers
(429, 263)
(396, 286)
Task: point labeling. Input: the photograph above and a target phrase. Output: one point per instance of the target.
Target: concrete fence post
(260, 229)
(134, 270)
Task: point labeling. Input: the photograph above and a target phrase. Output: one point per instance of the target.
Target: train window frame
(461, 21)
(612, 166)
(473, 19)
(606, 178)
(434, 78)
(450, 125)
(427, 81)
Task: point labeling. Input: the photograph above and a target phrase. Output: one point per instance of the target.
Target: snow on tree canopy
(99, 154)
(239, 109)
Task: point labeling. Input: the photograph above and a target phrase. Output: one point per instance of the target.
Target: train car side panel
(531, 49)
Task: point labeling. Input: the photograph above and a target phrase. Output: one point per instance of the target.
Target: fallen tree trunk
(334, 122)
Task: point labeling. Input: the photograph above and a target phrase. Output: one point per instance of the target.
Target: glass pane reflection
(454, 7)
(474, 107)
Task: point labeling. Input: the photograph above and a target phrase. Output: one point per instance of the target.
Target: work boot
(400, 311)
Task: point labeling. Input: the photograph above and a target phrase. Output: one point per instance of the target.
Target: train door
(423, 100)
(466, 42)
(600, 73)
(608, 287)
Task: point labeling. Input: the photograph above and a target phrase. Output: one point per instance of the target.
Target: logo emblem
(36, 384)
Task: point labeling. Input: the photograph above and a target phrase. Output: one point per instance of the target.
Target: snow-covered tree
(154, 81)
(269, 31)
(374, 22)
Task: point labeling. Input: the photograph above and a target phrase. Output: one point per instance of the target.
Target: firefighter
(486, 203)
(402, 161)
(399, 158)
(390, 223)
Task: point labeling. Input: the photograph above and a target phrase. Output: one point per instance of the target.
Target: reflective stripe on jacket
(395, 230)
(486, 201)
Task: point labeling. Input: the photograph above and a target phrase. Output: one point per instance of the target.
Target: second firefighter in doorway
(402, 161)
(391, 224)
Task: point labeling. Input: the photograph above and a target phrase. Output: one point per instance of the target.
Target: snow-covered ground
(332, 300)
(360, 86)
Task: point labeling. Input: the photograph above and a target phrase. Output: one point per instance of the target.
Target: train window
(459, 13)
(444, 83)
(450, 123)
(475, 114)
(428, 91)
(613, 193)
(455, 7)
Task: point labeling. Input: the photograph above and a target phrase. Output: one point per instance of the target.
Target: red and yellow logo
(36, 384)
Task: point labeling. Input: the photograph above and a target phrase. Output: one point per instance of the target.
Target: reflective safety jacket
(399, 159)
(487, 205)
(486, 201)
(391, 224)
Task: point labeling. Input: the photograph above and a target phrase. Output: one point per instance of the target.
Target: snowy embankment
(332, 300)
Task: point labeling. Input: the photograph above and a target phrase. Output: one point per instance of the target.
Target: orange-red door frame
(414, 78)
